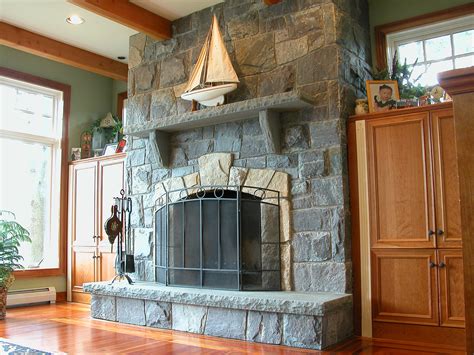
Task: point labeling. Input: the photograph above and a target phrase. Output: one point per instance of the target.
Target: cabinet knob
(442, 264)
(440, 232)
(431, 232)
(432, 264)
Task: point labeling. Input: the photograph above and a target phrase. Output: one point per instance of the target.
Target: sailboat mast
(207, 45)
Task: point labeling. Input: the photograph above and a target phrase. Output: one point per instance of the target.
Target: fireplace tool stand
(115, 227)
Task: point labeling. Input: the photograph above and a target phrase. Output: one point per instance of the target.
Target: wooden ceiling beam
(45, 47)
(130, 15)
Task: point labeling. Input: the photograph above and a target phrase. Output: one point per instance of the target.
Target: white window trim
(425, 32)
(56, 152)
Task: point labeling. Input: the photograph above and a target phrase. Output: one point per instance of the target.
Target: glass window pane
(25, 190)
(411, 52)
(438, 48)
(417, 73)
(464, 62)
(463, 42)
(430, 77)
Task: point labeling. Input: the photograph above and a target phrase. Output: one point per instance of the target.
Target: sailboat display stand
(213, 75)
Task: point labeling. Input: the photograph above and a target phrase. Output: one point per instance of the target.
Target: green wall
(92, 96)
(385, 11)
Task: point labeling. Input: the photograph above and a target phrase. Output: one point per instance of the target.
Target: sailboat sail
(213, 64)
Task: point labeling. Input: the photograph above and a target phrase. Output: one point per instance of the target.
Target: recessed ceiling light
(121, 57)
(75, 20)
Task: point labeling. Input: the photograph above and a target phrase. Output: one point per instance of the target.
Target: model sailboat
(213, 75)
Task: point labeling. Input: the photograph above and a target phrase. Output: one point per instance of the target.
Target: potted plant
(11, 235)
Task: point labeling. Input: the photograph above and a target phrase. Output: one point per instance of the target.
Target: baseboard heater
(31, 296)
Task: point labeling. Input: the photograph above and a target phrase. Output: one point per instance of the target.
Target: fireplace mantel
(267, 109)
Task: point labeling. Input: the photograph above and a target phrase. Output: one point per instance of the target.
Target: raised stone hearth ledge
(306, 320)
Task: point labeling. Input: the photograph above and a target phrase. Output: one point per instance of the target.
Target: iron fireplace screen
(224, 237)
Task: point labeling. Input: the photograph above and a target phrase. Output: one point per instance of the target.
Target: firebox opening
(215, 238)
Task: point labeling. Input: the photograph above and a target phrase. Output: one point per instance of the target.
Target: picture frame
(378, 92)
(121, 146)
(109, 149)
(75, 154)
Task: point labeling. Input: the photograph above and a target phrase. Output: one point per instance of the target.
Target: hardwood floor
(67, 327)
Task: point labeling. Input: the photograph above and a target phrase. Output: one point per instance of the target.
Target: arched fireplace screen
(221, 237)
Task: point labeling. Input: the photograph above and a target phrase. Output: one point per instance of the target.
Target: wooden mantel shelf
(267, 109)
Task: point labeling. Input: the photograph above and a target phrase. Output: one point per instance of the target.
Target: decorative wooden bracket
(270, 125)
(159, 146)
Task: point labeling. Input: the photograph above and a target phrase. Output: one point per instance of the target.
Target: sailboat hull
(210, 96)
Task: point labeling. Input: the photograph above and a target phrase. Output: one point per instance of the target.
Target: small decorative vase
(362, 107)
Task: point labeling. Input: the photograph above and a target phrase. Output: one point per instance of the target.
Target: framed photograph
(121, 146)
(109, 149)
(75, 153)
(382, 95)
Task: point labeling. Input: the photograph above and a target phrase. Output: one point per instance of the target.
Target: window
(435, 48)
(31, 158)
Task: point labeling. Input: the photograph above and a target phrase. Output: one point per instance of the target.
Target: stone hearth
(304, 320)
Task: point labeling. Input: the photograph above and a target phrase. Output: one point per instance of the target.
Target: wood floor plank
(68, 328)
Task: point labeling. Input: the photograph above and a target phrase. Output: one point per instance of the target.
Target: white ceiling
(98, 34)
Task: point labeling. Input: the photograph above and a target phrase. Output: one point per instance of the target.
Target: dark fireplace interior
(218, 239)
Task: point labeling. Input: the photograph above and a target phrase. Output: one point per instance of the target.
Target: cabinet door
(451, 287)
(83, 229)
(448, 208)
(400, 188)
(404, 286)
(111, 181)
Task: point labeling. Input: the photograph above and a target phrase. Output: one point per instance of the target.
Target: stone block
(159, 175)
(275, 161)
(271, 280)
(299, 187)
(251, 128)
(214, 168)
(286, 262)
(337, 326)
(141, 179)
(263, 327)
(130, 311)
(269, 223)
(163, 104)
(285, 220)
(136, 157)
(244, 25)
(197, 149)
(270, 257)
(313, 219)
(296, 137)
(143, 238)
(303, 22)
(318, 65)
(175, 72)
(280, 182)
(138, 109)
(256, 162)
(137, 211)
(182, 171)
(282, 79)
(252, 146)
(328, 191)
(237, 176)
(258, 178)
(287, 51)
(255, 54)
(226, 323)
(189, 318)
(158, 314)
(103, 307)
(312, 246)
(144, 77)
(302, 331)
(325, 133)
(323, 277)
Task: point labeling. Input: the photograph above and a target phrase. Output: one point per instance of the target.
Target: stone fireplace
(301, 64)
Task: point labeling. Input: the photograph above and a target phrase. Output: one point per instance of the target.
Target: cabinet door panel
(404, 287)
(400, 188)
(451, 288)
(83, 267)
(84, 204)
(448, 207)
(111, 181)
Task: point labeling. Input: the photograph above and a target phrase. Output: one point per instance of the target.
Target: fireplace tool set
(115, 227)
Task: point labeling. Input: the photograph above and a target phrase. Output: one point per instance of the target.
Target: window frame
(63, 197)
(382, 31)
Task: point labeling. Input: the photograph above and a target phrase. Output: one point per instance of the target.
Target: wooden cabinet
(93, 184)
(408, 223)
